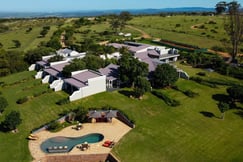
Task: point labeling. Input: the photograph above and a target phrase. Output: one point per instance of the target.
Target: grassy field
(203, 31)
(162, 133)
(208, 33)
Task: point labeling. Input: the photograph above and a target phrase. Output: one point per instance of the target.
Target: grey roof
(85, 75)
(111, 71)
(75, 82)
(133, 47)
(80, 80)
(143, 56)
(153, 53)
(51, 71)
(65, 51)
(42, 63)
(102, 113)
(59, 67)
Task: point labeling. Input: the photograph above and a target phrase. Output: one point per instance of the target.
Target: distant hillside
(99, 12)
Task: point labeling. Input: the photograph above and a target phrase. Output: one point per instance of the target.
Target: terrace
(114, 131)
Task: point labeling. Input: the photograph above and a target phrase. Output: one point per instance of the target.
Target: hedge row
(167, 99)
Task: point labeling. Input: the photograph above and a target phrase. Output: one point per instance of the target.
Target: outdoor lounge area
(115, 131)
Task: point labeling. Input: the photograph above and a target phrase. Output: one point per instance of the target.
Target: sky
(79, 5)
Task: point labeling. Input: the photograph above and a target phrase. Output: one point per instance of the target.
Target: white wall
(39, 75)
(95, 85)
(32, 67)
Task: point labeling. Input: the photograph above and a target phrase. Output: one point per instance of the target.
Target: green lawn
(179, 28)
(162, 133)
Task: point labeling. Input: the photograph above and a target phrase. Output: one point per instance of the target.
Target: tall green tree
(75, 65)
(130, 68)
(221, 7)
(223, 107)
(164, 75)
(36, 54)
(115, 23)
(235, 93)
(12, 120)
(233, 26)
(141, 85)
(93, 62)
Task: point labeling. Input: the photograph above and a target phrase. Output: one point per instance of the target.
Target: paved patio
(111, 131)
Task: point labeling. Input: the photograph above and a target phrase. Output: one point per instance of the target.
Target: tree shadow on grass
(2, 129)
(207, 114)
(126, 93)
(221, 98)
(239, 113)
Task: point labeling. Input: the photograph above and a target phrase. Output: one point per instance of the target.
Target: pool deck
(111, 131)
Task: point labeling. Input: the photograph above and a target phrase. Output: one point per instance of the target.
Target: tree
(233, 26)
(235, 93)
(36, 54)
(93, 62)
(123, 18)
(75, 65)
(115, 23)
(164, 75)
(221, 7)
(130, 68)
(12, 120)
(141, 85)
(55, 58)
(81, 114)
(3, 104)
(223, 107)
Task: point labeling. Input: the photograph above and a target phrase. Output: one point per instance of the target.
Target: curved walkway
(111, 131)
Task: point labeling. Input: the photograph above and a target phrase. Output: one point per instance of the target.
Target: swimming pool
(67, 143)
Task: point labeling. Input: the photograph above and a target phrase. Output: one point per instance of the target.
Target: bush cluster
(22, 100)
(63, 101)
(167, 99)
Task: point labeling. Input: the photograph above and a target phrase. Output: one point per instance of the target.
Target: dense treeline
(11, 62)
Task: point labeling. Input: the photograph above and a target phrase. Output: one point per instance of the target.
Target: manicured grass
(162, 133)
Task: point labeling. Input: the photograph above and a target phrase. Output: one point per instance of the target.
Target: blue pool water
(70, 142)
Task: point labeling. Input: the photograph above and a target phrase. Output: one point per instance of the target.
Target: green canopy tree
(36, 54)
(221, 7)
(81, 114)
(233, 26)
(75, 65)
(130, 68)
(223, 107)
(12, 120)
(235, 93)
(93, 62)
(164, 75)
(141, 85)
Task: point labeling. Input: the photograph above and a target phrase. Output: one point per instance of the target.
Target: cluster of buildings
(87, 82)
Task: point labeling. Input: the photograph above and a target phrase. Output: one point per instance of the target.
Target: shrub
(63, 101)
(190, 93)
(53, 125)
(22, 100)
(3, 104)
(201, 73)
(196, 79)
(167, 99)
(218, 48)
